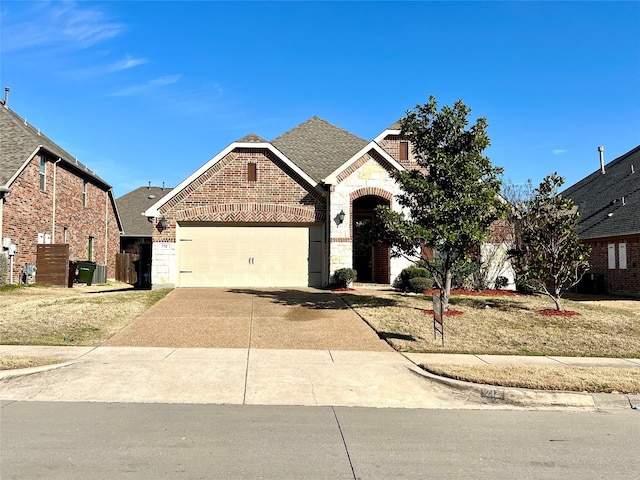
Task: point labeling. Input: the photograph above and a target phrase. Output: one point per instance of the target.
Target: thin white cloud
(57, 25)
(146, 87)
(558, 151)
(125, 64)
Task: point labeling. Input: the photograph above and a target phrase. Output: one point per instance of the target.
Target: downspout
(53, 213)
(106, 229)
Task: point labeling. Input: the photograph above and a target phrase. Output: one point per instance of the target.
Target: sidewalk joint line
(481, 359)
(246, 371)
(344, 442)
(331, 356)
(556, 360)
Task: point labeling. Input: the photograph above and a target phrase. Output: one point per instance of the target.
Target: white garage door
(249, 256)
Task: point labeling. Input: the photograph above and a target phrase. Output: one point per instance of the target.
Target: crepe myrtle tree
(451, 198)
(549, 256)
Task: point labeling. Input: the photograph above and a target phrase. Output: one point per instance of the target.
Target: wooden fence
(126, 267)
(53, 264)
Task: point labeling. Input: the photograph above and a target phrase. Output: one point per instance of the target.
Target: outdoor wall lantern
(163, 223)
(340, 217)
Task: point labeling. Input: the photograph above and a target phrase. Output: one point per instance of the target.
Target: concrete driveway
(306, 319)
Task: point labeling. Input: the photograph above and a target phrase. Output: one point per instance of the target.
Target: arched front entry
(371, 262)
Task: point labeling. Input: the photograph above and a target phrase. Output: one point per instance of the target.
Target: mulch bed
(447, 313)
(343, 289)
(558, 313)
(485, 293)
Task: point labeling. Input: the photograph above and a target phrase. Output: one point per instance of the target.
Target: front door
(362, 251)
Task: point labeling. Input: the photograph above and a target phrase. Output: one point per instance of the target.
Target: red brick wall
(617, 280)
(29, 211)
(224, 194)
(391, 144)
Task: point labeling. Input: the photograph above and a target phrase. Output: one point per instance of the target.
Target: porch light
(340, 217)
(163, 223)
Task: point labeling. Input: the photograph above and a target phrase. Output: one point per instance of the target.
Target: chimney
(601, 150)
(6, 96)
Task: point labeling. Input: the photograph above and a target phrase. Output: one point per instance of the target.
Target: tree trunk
(445, 293)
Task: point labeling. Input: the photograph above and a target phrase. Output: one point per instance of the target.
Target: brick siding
(224, 194)
(28, 211)
(617, 280)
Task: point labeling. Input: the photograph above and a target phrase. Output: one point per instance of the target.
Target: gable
(246, 185)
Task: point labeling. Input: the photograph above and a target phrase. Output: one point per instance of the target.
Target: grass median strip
(572, 379)
(13, 362)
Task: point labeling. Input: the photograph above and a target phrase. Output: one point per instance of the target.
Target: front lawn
(503, 325)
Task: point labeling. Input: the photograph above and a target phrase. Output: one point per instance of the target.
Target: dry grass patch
(572, 379)
(503, 325)
(12, 362)
(76, 316)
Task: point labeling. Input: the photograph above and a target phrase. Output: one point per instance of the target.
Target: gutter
(53, 214)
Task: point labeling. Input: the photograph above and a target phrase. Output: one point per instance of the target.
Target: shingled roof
(19, 141)
(609, 203)
(318, 147)
(131, 207)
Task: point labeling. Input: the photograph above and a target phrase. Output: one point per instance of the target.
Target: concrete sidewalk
(281, 377)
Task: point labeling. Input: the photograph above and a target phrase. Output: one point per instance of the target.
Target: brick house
(608, 202)
(282, 213)
(47, 196)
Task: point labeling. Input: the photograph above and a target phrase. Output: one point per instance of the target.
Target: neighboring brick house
(137, 230)
(608, 202)
(282, 213)
(50, 197)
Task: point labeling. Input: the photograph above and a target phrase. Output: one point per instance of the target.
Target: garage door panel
(249, 256)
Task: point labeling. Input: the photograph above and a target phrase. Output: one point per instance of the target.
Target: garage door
(249, 256)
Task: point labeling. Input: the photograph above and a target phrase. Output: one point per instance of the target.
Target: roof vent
(6, 96)
(151, 197)
(601, 150)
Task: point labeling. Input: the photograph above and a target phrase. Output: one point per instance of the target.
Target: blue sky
(149, 91)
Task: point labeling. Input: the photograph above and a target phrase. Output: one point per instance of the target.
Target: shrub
(344, 276)
(501, 282)
(413, 272)
(420, 284)
(525, 289)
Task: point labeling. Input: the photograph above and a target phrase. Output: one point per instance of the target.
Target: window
(84, 193)
(43, 174)
(252, 172)
(90, 250)
(404, 151)
(622, 256)
(612, 256)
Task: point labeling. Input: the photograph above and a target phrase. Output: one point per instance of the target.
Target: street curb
(522, 397)
(22, 372)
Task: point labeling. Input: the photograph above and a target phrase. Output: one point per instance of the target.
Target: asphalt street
(59, 440)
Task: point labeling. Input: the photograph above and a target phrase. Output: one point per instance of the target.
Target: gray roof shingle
(19, 140)
(252, 138)
(617, 192)
(131, 207)
(318, 147)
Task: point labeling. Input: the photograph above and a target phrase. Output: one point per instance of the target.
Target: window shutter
(252, 172)
(404, 151)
